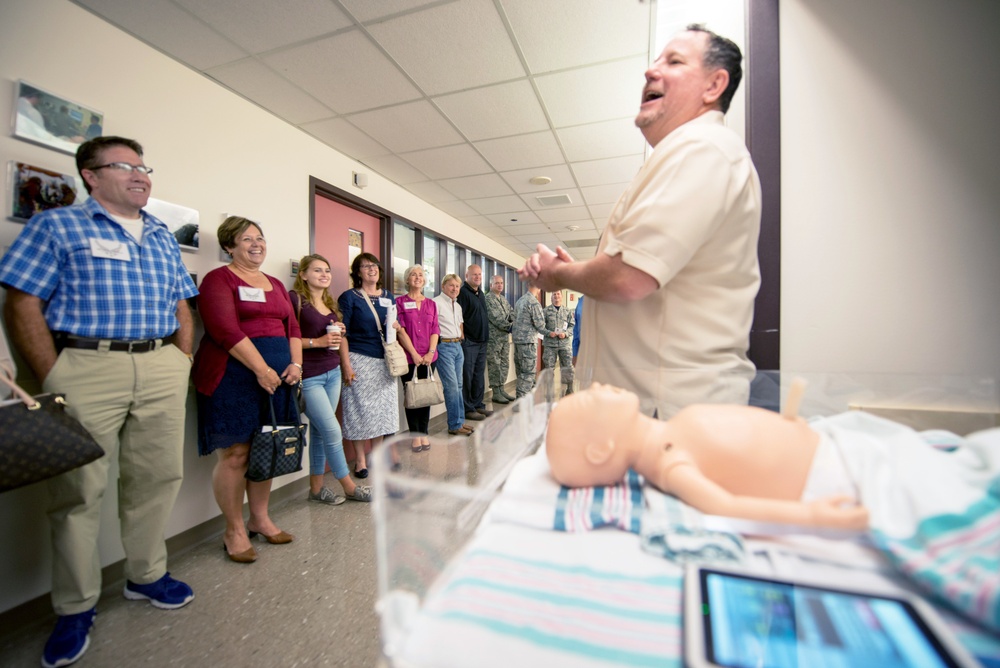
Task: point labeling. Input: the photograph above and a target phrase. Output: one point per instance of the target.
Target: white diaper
(828, 476)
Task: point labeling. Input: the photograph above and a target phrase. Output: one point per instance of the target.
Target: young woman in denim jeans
(321, 381)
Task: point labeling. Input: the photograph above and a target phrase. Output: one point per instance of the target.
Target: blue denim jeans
(326, 441)
(450, 362)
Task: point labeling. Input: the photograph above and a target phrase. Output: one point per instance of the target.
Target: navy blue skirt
(239, 404)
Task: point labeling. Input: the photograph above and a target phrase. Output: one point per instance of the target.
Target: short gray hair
(409, 271)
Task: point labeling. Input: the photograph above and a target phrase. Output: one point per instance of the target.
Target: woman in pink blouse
(419, 318)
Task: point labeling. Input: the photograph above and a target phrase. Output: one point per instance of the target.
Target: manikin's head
(587, 439)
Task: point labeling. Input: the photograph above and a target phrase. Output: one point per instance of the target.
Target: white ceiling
(460, 102)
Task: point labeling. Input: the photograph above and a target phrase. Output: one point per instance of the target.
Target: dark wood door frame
(763, 134)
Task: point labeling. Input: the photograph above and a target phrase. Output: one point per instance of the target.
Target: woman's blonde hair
(302, 289)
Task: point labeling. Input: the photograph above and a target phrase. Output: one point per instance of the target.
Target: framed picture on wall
(49, 120)
(35, 189)
(355, 245)
(180, 220)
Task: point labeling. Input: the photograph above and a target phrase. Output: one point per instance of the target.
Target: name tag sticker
(110, 249)
(410, 306)
(248, 294)
(384, 301)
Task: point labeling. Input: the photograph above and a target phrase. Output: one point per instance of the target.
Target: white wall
(212, 151)
(890, 186)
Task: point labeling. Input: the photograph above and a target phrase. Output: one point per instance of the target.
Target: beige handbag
(395, 356)
(427, 392)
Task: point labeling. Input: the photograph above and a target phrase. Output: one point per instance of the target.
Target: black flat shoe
(363, 473)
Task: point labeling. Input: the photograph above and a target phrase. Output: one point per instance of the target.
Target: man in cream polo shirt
(671, 289)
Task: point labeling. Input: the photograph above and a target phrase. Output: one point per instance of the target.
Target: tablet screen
(755, 622)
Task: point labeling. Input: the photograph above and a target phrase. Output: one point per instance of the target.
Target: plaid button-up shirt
(130, 293)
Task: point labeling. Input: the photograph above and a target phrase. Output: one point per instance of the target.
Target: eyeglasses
(366, 267)
(125, 167)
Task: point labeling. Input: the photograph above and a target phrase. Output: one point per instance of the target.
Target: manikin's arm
(688, 484)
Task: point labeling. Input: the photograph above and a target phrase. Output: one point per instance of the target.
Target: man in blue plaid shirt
(97, 306)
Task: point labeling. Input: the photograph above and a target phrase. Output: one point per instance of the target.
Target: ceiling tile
(558, 34)
(448, 162)
(601, 212)
(518, 230)
(610, 139)
(366, 10)
(522, 217)
(407, 127)
(592, 94)
(561, 177)
(456, 208)
(262, 25)
(339, 72)
(396, 169)
(607, 194)
(584, 226)
(531, 150)
(346, 138)
(566, 213)
(482, 185)
(548, 239)
(609, 170)
(430, 191)
(258, 83)
(170, 29)
(478, 222)
(460, 45)
(566, 235)
(495, 111)
(490, 205)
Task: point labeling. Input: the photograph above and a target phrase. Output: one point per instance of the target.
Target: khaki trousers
(133, 405)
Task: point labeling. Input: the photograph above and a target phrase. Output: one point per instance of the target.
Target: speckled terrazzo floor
(308, 603)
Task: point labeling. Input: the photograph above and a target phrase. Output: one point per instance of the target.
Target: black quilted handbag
(276, 450)
(39, 439)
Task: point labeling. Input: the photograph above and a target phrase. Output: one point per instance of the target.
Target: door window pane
(403, 255)
(430, 262)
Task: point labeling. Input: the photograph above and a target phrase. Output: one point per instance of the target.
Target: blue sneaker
(69, 640)
(166, 593)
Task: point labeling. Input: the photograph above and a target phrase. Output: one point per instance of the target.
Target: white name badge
(384, 301)
(112, 250)
(410, 305)
(248, 294)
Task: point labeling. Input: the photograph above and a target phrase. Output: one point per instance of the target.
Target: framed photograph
(355, 245)
(182, 221)
(44, 118)
(36, 189)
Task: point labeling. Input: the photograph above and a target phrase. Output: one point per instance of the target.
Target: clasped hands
(539, 268)
(270, 380)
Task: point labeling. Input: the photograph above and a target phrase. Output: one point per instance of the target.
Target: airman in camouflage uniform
(501, 318)
(559, 320)
(529, 321)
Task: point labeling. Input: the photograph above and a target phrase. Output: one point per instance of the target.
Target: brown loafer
(247, 556)
(279, 538)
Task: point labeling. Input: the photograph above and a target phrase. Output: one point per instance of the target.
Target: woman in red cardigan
(251, 349)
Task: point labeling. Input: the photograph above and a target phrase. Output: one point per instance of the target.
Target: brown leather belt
(451, 340)
(108, 344)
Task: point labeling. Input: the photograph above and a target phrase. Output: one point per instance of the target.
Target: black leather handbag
(276, 450)
(40, 439)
